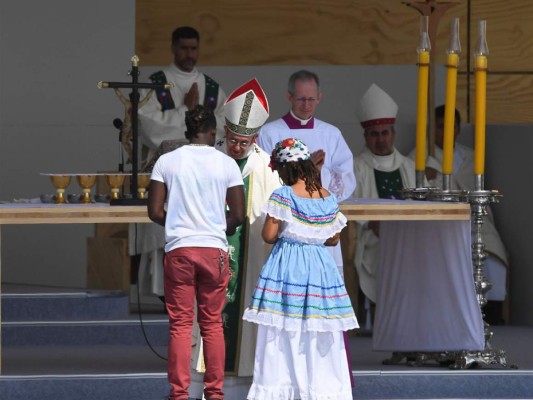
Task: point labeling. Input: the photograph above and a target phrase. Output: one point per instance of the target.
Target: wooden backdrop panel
(351, 32)
(280, 32)
(509, 99)
(509, 33)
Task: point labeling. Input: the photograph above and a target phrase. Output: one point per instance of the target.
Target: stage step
(81, 344)
(73, 305)
(85, 387)
(85, 333)
(89, 346)
(369, 386)
(47, 317)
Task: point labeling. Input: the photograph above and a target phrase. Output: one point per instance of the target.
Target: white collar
(387, 163)
(302, 121)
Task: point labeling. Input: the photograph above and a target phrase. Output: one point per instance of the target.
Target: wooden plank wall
(351, 32)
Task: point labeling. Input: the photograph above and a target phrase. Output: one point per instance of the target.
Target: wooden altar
(356, 209)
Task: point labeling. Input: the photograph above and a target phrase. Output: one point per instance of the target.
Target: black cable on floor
(140, 309)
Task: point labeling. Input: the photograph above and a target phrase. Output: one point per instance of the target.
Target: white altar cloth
(426, 296)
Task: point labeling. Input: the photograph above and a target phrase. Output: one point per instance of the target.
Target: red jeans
(199, 273)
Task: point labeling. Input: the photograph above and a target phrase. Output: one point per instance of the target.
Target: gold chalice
(143, 180)
(86, 182)
(60, 182)
(115, 182)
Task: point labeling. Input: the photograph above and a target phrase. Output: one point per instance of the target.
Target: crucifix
(434, 11)
(134, 85)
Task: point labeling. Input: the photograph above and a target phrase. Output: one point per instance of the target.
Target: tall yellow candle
(422, 110)
(424, 46)
(480, 53)
(449, 114)
(481, 102)
(454, 48)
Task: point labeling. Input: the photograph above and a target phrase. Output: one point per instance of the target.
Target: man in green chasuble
(245, 111)
(381, 171)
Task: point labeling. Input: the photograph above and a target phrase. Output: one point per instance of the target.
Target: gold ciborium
(143, 180)
(115, 182)
(86, 182)
(60, 182)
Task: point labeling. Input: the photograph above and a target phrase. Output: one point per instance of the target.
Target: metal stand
(479, 200)
(134, 85)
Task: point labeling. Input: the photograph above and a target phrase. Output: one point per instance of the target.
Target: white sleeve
(157, 173)
(156, 125)
(264, 140)
(343, 181)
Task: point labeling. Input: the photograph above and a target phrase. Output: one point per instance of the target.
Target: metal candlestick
(479, 200)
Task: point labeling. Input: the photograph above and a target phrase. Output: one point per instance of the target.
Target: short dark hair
(303, 75)
(184, 32)
(439, 113)
(199, 119)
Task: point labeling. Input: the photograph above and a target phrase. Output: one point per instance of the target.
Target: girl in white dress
(300, 302)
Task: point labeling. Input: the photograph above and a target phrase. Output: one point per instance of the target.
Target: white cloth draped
(367, 244)
(495, 267)
(426, 299)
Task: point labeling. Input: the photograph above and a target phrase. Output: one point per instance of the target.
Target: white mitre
(376, 107)
(246, 109)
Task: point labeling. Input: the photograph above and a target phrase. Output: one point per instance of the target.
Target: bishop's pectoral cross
(134, 85)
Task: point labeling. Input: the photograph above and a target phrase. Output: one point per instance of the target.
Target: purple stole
(294, 123)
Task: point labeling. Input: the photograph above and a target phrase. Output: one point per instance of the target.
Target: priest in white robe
(381, 172)
(328, 148)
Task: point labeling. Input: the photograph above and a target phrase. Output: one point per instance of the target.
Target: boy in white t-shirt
(198, 183)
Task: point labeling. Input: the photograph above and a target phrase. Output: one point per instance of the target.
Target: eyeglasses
(306, 99)
(243, 144)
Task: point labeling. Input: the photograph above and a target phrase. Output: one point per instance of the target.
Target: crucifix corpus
(134, 85)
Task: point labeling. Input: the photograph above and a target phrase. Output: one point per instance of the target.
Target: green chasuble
(388, 184)
(232, 311)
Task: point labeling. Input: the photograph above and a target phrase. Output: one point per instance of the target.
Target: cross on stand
(135, 85)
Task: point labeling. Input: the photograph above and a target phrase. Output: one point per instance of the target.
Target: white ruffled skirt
(300, 365)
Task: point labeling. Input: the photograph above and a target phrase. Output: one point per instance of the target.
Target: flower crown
(288, 150)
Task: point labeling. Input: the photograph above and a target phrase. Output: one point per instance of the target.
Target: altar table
(354, 209)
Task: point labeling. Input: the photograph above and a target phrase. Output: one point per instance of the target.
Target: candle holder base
(464, 359)
(434, 194)
(452, 196)
(418, 193)
(477, 359)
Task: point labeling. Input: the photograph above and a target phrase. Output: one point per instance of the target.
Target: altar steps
(60, 344)
(88, 345)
